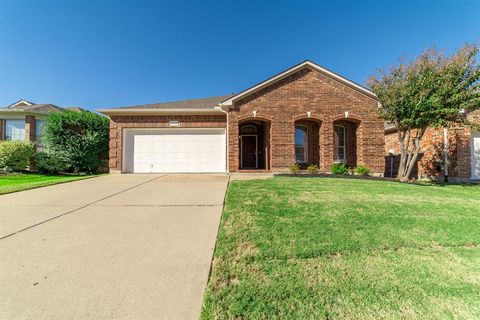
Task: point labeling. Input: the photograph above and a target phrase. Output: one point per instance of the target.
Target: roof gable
(26, 107)
(306, 64)
(20, 103)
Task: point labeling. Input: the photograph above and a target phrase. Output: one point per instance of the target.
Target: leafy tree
(432, 91)
(80, 138)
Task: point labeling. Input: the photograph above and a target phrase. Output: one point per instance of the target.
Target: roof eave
(25, 112)
(154, 111)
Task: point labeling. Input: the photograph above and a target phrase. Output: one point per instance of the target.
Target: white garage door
(476, 155)
(174, 150)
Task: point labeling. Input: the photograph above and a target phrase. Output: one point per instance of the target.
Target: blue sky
(100, 54)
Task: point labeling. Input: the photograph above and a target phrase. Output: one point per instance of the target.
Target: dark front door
(249, 152)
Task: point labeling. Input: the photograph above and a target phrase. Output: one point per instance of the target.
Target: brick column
(233, 145)
(283, 144)
(361, 144)
(114, 145)
(326, 145)
(30, 128)
(371, 146)
(2, 129)
(463, 152)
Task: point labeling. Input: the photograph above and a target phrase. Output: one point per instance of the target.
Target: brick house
(463, 152)
(23, 120)
(306, 114)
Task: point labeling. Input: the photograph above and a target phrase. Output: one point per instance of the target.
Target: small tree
(431, 91)
(80, 138)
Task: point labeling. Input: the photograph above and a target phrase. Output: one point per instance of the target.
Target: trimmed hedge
(15, 155)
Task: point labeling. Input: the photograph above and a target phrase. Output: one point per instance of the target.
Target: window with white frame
(15, 129)
(339, 143)
(39, 130)
(301, 141)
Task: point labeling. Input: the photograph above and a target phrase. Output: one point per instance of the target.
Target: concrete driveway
(112, 247)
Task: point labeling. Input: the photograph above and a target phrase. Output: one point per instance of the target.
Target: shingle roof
(75, 109)
(20, 102)
(40, 108)
(202, 103)
(37, 107)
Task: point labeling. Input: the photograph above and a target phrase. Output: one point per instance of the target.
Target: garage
(174, 150)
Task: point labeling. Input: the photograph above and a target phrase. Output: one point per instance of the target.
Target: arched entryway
(345, 142)
(307, 142)
(254, 144)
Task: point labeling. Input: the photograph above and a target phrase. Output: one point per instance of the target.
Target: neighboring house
(463, 152)
(23, 120)
(306, 114)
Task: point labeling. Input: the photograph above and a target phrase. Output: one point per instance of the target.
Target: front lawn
(18, 182)
(326, 248)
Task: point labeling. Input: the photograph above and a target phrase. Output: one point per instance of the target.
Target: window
(249, 129)
(339, 143)
(300, 144)
(39, 130)
(15, 130)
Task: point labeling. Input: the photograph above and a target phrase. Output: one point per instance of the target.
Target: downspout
(227, 160)
(445, 154)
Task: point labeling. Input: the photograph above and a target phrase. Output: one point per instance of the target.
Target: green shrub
(80, 138)
(294, 168)
(338, 168)
(312, 169)
(362, 170)
(15, 155)
(50, 162)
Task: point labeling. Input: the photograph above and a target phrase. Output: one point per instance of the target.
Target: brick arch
(353, 137)
(313, 117)
(263, 142)
(252, 118)
(313, 125)
(352, 117)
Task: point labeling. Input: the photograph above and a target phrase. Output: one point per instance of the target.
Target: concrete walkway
(113, 247)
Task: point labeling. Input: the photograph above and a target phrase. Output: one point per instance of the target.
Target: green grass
(325, 248)
(19, 182)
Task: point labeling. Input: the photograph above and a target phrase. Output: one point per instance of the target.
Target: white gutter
(219, 108)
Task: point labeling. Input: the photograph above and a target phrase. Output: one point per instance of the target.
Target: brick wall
(118, 123)
(30, 134)
(431, 161)
(289, 100)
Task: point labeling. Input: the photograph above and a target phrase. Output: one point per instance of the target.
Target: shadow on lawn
(350, 177)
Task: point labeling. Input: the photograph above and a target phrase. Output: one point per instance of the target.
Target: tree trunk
(402, 136)
(409, 151)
